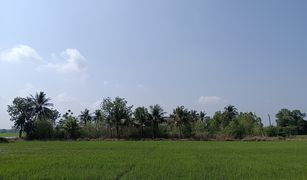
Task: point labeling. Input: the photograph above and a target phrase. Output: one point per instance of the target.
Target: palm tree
(41, 105)
(141, 116)
(229, 114)
(182, 117)
(97, 116)
(85, 116)
(231, 111)
(202, 116)
(156, 115)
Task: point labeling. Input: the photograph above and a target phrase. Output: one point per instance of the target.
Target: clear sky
(201, 54)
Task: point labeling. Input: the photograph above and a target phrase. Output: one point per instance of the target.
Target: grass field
(9, 135)
(153, 160)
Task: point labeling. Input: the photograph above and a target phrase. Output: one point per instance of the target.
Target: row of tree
(36, 117)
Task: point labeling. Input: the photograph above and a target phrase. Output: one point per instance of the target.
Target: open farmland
(153, 160)
(8, 135)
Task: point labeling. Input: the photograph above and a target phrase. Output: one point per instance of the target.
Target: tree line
(36, 117)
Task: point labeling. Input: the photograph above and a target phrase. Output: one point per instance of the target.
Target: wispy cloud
(70, 61)
(210, 100)
(21, 53)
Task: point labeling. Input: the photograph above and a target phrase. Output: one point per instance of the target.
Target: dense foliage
(36, 117)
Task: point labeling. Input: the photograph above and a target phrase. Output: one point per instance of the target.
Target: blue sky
(201, 54)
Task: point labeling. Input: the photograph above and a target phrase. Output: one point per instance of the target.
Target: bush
(287, 131)
(71, 127)
(39, 129)
(43, 130)
(3, 140)
(271, 131)
(59, 132)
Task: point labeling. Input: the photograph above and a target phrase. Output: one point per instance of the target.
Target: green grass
(9, 134)
(153, 160)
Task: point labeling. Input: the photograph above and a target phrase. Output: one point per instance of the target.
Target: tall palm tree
(97, 116)
(202, 116)
(182, 117)
(229, 114)
(85, 116)
(231, 111)
(41, 105)
(156, 113)
(141, 116)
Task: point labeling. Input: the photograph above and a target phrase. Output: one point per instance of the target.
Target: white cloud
(21, 53)
(210, 100)
(71, 61)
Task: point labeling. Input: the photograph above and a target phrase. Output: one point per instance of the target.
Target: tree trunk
(117, 131)
(180, 132)
(142, 131)
(153, 130)
(157, 130)
(20, 131)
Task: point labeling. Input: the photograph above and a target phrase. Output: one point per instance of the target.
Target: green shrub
(3, 140)
(271, 131)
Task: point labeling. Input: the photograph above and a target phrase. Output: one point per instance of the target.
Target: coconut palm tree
(229, 114)
(231, 111)
(97, 116)
(41, 106)
(141, 116)
(85, 116)
(182, 117)
(156, 115)
(117, 113)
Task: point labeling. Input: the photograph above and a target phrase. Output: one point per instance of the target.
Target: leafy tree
(271, 131)
(26, 111)
(156, 116)
(117, 112)
(20, 112)
(291, 122)
(214, 125)
(245, 124)
(68, 126)
(85, 117)
(43, 129)
(141, 116)
(71, 126)
(54, 116)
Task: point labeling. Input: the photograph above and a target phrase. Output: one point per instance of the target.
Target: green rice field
(8, 134)
(153, 160)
